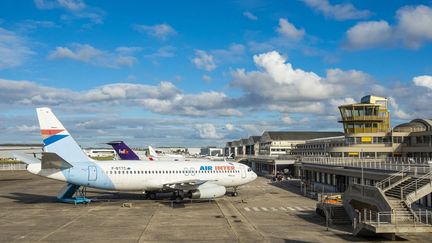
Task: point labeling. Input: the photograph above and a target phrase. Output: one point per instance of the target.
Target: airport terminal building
(367, 134)
(273, 150)
(368, 152)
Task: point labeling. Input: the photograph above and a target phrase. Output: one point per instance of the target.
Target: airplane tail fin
(152, 152)
(57, 139)
(123, 151)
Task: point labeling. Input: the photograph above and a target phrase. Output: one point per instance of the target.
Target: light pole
(430, 167)
(362, 173)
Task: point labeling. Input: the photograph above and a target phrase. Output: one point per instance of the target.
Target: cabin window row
(171, 172)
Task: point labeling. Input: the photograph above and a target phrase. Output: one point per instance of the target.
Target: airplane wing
(186, 184)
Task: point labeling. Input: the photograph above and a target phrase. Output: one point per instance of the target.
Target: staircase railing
(367, 216)
(415, 184)
(387, 182)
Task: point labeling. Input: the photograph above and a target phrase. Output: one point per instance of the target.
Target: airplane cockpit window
(249, 169)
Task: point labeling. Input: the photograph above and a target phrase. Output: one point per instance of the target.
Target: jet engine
(207, 192)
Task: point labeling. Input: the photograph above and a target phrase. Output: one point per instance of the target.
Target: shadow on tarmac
(27, 198)
(287, 186)
(17, 179)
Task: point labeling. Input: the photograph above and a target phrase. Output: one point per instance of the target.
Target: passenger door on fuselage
(92, 173)
(243, 172)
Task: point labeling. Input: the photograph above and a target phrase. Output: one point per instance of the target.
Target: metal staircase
(71, 193)
(386, 207)
(369, 222)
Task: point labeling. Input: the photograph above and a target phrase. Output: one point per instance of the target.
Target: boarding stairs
(71, 193)
(389, 211)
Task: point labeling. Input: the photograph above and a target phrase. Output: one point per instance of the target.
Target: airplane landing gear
(234, 193)
(71, 193)
(178, 196)
(150, 195)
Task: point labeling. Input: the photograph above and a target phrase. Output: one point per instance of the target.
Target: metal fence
(12, 166)
(268, 157)
(414, 165)
(419, 218)
(393, 160)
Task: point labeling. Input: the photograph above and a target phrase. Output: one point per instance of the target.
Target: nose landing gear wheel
(234, 193)
(152, 196)
(178, 199)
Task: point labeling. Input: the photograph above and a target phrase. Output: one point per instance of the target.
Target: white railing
(280, 156)
(393, 164)
(419, 218)
(415, 184)
(12, 166)
(387, 182)
(397, 160)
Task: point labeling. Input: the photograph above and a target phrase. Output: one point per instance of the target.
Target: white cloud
(203, 60)
(250, 15)
(164, 98)
(337, 75)
(288, 30)
(257, 128)
(89, 54)
(277, 86)
(76, 9)
(343, 11)
(163, 52)
(414, 25)
(337, 102)
(423, 81)
(160, 31)
(72, 5)
(207, 78)
(299, 107)
(369, 34)
(29, 93)
(207, 131)
(14, 50)
(230, 127)
(412, 30)
(128, 49)
(280, 81)
(44, 4)
(32, 25)
(233, 54)
(25, 128)
(288, 120)
(397, 111)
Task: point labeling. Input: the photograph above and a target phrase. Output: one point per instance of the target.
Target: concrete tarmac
(262, 212)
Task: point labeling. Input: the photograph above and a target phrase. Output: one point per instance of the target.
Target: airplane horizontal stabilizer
(25, 158)
(54, 161)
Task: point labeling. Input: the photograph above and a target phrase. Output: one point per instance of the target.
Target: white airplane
(156, 155)
(64, 160)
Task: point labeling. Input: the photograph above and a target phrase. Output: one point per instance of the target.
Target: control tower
(371, 115)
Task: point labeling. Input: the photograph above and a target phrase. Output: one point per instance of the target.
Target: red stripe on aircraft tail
(51, 131)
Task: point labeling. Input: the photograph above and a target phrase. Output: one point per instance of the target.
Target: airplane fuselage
(136, 175)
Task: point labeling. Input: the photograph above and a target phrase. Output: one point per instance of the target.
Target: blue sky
(194, 73)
